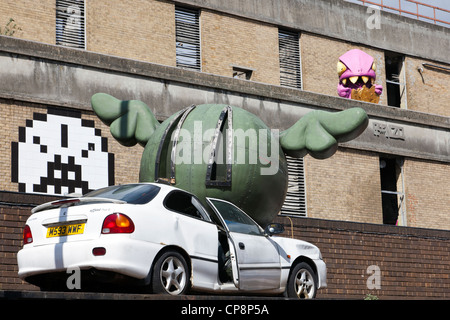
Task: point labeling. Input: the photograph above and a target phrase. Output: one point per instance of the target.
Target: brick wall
(413, 262)
(427, 91)
(142, 30)
(427, 193)
(228, 41)
(320, 56)
(345, 187)
(37, 19)
(14, 211)
(145, 31)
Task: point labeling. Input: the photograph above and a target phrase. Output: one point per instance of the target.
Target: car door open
(255, 255)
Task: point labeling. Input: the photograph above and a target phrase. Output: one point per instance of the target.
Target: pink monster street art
(357, 74)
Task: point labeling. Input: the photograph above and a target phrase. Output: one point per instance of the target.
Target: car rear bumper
(123, 255)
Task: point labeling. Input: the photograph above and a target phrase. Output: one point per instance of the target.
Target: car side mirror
(274, 228)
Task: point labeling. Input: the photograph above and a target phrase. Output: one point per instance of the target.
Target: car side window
(185, 203)
(236, 220)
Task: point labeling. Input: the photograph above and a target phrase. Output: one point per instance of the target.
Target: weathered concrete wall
(39, 75)
(342, 20)
(48, 74)
(245, 34)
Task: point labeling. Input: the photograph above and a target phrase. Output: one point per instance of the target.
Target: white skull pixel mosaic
(59, 153)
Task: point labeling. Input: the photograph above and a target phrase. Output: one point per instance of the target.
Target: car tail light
(27, 236)
(117, 223)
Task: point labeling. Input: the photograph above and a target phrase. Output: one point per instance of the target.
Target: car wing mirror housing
(274, 228)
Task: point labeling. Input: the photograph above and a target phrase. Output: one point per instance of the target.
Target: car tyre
(302, 282)
(171, 274)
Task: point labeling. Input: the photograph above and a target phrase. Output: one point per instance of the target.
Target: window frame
(395, 82)
(76, 39)
(290, 61)
(261, 231)
(295, 201)
(187, 33)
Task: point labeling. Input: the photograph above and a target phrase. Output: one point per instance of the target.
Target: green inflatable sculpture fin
(319, 132)
(130, 121)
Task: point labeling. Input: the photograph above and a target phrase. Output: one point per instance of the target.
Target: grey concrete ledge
(52, 75)
(86, 59)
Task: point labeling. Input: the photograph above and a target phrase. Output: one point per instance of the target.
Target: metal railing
(416, 14)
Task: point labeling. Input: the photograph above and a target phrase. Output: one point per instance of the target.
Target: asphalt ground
(78, 295)
(76, 305)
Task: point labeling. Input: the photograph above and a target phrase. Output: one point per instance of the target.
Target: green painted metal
(130, 121)
(195, 150)
(319, 132)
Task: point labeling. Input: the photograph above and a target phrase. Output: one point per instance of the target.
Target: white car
(164, 238)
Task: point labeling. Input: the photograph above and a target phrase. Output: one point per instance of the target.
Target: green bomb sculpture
(223, 151)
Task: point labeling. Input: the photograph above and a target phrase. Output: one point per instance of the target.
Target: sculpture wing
(319, 132)
(130, 121)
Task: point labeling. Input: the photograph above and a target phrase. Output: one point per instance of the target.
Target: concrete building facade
(244, 39)
(171, 54)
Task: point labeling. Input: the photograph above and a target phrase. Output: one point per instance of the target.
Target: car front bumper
(321, 273)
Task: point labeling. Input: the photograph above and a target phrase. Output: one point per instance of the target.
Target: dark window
(185, 203)
(395, 84)
(242, 73)
(130, 193)
(391, 196)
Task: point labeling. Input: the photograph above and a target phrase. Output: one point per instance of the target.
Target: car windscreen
(130, 193)
(236, 220)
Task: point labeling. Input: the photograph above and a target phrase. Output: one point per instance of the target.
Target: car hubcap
(173, 275)
(304, 284)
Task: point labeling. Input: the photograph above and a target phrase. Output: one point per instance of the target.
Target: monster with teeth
(185, 149)
(356, 70)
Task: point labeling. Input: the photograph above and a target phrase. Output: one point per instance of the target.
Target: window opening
(395, 80)
(295, 202)
(242, 73)
(186, 204)
(187, 38)
(70, 23)
(392, 190)
(289, 53)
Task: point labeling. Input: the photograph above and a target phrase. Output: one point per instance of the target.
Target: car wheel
(171, 274)
(302, 283)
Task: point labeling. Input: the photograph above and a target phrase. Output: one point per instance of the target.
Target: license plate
(65, 230)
